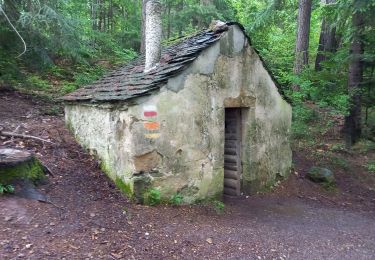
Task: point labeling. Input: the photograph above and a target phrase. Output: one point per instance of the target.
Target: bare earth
(89, 218)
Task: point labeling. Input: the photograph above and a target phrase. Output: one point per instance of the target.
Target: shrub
(218, 206)
(371, 166)
(68, 87)
(6, 189)
(36, 82)
(176, 199)
(340, 162)
(302, 116)
(152, 197)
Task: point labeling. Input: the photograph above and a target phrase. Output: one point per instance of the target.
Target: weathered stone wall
(185, 153)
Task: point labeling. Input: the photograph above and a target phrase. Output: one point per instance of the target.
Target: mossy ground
(30, 170)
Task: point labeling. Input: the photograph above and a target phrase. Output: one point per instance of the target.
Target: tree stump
(19, 165)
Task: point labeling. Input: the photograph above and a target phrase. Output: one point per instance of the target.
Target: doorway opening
(232, 152)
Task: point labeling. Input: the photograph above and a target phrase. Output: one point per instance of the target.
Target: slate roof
(130, 81)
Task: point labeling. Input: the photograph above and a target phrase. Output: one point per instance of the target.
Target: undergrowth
(152, 197)
(317, 133)
(6, 188)
(59, 79)
(371, 166)
(176, 199)
(218, 206)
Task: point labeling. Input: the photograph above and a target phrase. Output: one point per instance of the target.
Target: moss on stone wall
(105, 169)
(217, 184)
(124, 187)
(69, 126)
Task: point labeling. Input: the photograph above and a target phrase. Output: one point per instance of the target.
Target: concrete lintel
(240, 101)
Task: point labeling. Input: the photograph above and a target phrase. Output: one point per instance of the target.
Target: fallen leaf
(118, 256)
(74, 247)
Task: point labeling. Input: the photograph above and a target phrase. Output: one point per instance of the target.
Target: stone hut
(207, 120)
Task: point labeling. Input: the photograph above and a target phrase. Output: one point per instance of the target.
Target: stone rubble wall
(185, 154)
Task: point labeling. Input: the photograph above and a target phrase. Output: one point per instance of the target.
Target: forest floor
(90, 219)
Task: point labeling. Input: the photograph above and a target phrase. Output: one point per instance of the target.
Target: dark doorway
(232, 152)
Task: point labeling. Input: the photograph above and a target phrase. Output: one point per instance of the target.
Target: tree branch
(24, 136)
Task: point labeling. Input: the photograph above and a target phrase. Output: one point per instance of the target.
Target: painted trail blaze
(152, 126)
(150, 113)
(152, 136)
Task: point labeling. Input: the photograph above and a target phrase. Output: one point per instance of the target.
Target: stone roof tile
(129, 81)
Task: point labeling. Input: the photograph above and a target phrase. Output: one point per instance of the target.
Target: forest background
(321, 52)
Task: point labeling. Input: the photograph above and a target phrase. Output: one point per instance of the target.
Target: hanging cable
(14, 28)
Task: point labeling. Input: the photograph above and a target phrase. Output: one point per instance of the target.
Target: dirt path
(91, 219)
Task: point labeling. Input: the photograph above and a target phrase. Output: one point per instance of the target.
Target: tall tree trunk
(104, 19)
(169, 26)
(94, 14)
(153, 34)
(143, 25)
(200, 21)
(368, 104)
(327, 40)
(352, 127)
(180, 7)
(302, 41)
(100, 7)
(110, 16)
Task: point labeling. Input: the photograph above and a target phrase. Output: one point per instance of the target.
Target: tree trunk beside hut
(327, 39)
(352, 127)
(302, 41)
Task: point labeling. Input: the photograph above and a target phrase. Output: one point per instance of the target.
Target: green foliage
(364, 146)
(340, 162)
(329, 186)
(302, 117)
(36, 82)
(61, 40)
(176, 199)
(124, 187)
(68, 87)
(338, 147)
(86, 74)
(152, 197)
(305, 114)
(6, 188)
(272, 27)
(323, 87)
(219, 206)
(184, 17)
(9, 71)
(371, 166)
